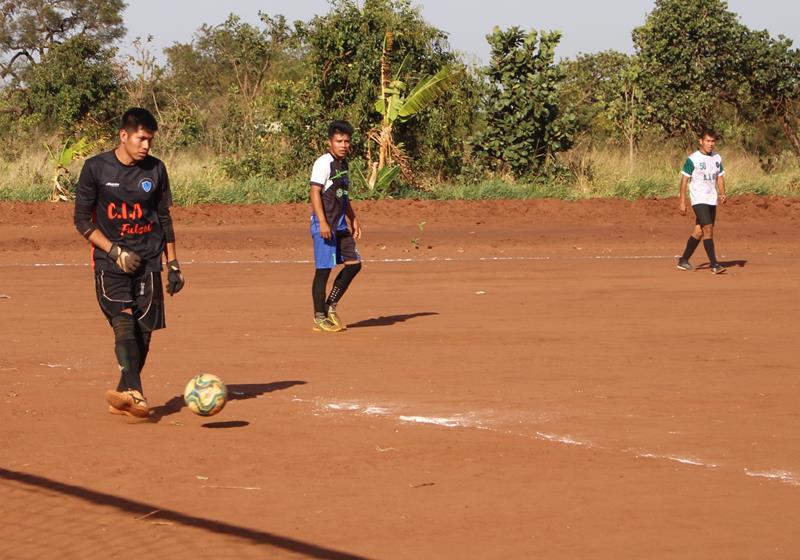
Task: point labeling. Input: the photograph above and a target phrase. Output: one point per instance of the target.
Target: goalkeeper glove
(126, 259)
(175, 279)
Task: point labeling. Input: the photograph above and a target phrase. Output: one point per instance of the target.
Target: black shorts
(141, 292)
(346, 246)
(706, 214)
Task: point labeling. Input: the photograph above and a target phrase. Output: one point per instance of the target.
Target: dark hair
(710, 132)
(340, 127)
(136, 118)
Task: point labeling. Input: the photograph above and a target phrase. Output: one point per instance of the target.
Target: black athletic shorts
(706, 214)
(346, 246)
(141, 292)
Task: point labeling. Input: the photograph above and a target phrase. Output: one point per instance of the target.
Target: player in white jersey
(703, 174)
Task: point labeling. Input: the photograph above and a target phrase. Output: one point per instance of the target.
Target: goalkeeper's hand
(175, 279)
(126, 259)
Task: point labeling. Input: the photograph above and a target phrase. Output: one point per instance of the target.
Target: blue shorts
(340, 248)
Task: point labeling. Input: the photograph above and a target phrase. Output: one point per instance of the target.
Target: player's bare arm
(319, 212)
(100, 241)
(170, 252)
(682, 195)
(723, 198)
(355, 225)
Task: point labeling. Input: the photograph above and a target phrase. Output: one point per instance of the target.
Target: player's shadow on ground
(272, 543)
(385, 321)
(236, 392)
(726, 264)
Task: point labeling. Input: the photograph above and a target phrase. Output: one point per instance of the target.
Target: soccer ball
(205, 394)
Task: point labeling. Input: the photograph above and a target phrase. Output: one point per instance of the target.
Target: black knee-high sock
(143, 342)
(127, 351)
(691, 245)
(342, 282)
(318, 289)
(708, 245)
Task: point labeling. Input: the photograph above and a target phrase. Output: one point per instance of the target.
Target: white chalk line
(382, 261)
(488, 421)
(782, 476)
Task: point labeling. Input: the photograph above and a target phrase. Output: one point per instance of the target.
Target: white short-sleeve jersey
(703, 170)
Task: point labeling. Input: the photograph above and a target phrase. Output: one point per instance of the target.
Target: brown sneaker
(130, 403)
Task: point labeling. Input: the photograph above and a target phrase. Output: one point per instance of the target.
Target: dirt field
(526, 380)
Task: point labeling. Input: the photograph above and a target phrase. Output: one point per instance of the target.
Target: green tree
(231, 64)
(589, 87)
(345, 48)
(441, 141)
(29, 28)
(627, 109)
(74, 79)
(524, 124)
(773, 74)
(690, 55)
(344, 52)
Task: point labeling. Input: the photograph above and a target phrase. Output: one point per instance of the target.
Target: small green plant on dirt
(418, 239)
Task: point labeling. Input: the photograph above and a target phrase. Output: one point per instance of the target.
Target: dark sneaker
(130, 403)
(325, 325)
(684, 265)
(717, 269)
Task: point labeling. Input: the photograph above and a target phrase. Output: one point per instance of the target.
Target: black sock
(691, 245)
(143, 342)
(708, 244)
(342, 282)
(127, 351)
(318, 290)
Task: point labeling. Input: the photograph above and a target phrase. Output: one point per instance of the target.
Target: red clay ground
(572, 400)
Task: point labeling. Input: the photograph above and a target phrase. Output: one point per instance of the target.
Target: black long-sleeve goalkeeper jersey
(128, 204)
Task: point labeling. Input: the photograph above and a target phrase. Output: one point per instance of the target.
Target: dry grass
(197, 177)
(607, 172)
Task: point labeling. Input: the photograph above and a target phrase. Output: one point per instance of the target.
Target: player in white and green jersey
(703, 174)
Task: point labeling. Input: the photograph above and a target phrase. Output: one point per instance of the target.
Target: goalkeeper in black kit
(122, 208)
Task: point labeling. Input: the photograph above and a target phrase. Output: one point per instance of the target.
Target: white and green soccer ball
(205, 394)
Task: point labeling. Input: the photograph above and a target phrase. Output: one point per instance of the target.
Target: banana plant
(62, 179)
(396, 105)
(379, 181)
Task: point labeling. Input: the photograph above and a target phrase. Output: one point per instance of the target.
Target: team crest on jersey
(146, 184)
(702, 165)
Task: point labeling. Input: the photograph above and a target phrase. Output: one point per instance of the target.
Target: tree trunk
(384, 146)
(631, 151)
(790, 129)
(382, 153)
